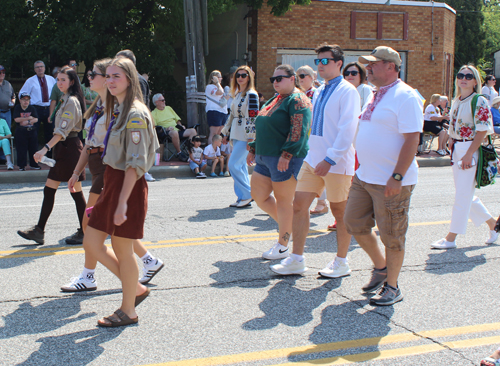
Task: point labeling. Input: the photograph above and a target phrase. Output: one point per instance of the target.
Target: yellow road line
(172, 243)
(357, 343)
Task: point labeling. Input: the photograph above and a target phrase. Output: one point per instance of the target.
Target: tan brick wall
(304, 27)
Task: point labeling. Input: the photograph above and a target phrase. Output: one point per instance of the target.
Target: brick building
(422, 32)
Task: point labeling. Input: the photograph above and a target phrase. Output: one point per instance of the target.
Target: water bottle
(48, 161)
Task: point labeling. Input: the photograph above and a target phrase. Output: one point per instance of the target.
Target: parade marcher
(329, 164)
(386, 144)
(7, 98)
(488, 89)
(241, 123)
(466, 135)
(120, 211)
(67, 148)
(279, 148)
(26, 136)
(216, 114)
(355, 73)
(306, 80)
(91, 155)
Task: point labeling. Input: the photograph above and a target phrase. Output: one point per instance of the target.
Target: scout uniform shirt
(97, 139)
(132, 141)
(68, 117)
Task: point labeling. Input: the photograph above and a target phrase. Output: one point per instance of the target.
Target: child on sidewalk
(226, 149)
(213, 156)
(196, 162)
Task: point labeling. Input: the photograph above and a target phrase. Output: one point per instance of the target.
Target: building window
(382, 25)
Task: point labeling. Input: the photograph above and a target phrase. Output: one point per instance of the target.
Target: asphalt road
(217, 303)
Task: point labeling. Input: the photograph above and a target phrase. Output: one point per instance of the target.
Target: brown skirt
(66, 154)
(103, 212)
(97, 169)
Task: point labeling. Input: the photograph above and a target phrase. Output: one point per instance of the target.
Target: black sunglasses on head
(460, 76)
(93, 74)
(279, 78)
(244, 75)
(353, 73)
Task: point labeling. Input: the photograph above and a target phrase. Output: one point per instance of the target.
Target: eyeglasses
(279, 78)
(353, 73)
(93, 74)
(460, 76)
(302, 76)
(161, 100)
(73, 64)
(244, 76)
(324, 61)
(2, 72)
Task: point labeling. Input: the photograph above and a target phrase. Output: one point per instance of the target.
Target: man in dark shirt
(26, 136)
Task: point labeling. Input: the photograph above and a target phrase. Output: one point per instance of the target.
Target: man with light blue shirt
(329, 163)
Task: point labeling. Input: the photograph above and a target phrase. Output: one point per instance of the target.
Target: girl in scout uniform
(120, 210)
(67, 148)
(96, 128)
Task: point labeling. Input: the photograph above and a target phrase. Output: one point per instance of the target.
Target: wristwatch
(398, 177)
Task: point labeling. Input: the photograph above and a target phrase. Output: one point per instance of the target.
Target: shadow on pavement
(454, 260)
(246, 273)
(27, 253)
(213, 214)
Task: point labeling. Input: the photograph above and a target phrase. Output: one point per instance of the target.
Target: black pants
(48, 128)
(26, 142)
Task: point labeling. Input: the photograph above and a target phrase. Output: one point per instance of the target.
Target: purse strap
(473, 106)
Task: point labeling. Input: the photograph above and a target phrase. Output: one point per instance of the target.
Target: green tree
(492, 28)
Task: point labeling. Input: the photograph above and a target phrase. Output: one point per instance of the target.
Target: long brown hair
(101, 65)
(75, 89)
(133, 91)
(250, 85)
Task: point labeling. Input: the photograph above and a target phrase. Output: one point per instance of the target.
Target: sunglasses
(353, 73)
(460, 76)
(279, 78)
(324, 61)
(74, 64)
(302, 76)
(243, 76)
(161, 100)
(93, 74)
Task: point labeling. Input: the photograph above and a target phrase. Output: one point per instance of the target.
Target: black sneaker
(76, 238)
(182, 156)
(35, 167)
(387, 295)
(22, 169)
(35, 234)
(378, 278)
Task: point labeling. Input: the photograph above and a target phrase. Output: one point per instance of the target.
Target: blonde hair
(434, 98)
(477, 77)
(211, 76)
(307, 70)
(102, 65)
(133, 91)
(250, 85)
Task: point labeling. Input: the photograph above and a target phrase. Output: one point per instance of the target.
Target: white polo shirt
(335, 119)
(397, 109)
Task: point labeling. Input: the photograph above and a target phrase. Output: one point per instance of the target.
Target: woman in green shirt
(279, 148)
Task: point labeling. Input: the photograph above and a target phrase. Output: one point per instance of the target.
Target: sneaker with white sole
(148, 177)
(289, 266)
(444, 244)
(278, 251)
(10, 166)
(336, 269)
(234, 204)
(493, 237)
(387, 295)
(149, 272)
(245, 203)
(80, 284)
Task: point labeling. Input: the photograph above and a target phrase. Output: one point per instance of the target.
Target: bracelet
(76, 173)
(47, 147)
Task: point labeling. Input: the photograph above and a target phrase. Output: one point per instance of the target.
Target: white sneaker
(80, 284)
(149, 272)
(278, 251)
(492, 238)
(10, 166)
(234, 204)
(335, 269)
(289, 266)
(149, 177)
(443, 244)
(245, 203)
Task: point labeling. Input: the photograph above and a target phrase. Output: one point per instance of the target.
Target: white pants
(466, 204)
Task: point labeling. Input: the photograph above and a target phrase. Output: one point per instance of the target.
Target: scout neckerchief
(99, 111)
(53, 116)
(379, 94)
(113, 119)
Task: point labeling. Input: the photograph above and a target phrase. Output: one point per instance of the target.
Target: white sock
(9, 160)
(341, 260)
(148, 259)
(298, 258)
(88, 274)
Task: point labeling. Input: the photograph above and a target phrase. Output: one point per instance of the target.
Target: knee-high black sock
(47, 206)
(80, 205)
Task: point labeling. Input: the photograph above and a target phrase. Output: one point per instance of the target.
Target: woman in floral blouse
(466, 135)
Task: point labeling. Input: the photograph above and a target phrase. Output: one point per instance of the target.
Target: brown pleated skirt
(97, 169)
(66, 154)
(103, 212)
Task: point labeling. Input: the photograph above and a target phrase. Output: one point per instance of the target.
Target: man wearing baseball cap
(25, 115)
(7, 100)
(386, 144)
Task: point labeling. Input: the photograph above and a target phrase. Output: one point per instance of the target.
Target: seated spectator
(25, 115)
(495, 105)
(196, 162)
(433, 123)
(168, 123)
(5, 135)
(226, 149)
(213, 156)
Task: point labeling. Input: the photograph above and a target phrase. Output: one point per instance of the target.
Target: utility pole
(196, 29)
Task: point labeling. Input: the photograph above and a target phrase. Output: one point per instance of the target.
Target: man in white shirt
(39, 87)
(329, 164)
(386, 144)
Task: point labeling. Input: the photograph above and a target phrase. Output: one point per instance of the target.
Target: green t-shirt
(55, 94)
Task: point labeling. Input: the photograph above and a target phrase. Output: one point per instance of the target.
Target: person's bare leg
(213, 131)
(284, 193)
(343, 237)
(221, 159)
(139, 248)
(175, 140)
(369, 244)
(261, 188)
(301, 219)
(394, 262)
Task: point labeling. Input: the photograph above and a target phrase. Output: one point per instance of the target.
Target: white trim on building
(429, 4)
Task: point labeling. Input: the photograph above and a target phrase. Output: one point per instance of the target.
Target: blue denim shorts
(268, 166)
(216, 119)
(193, 166)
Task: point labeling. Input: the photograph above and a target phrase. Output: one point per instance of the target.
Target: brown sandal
(117, 319)
(141, 298)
